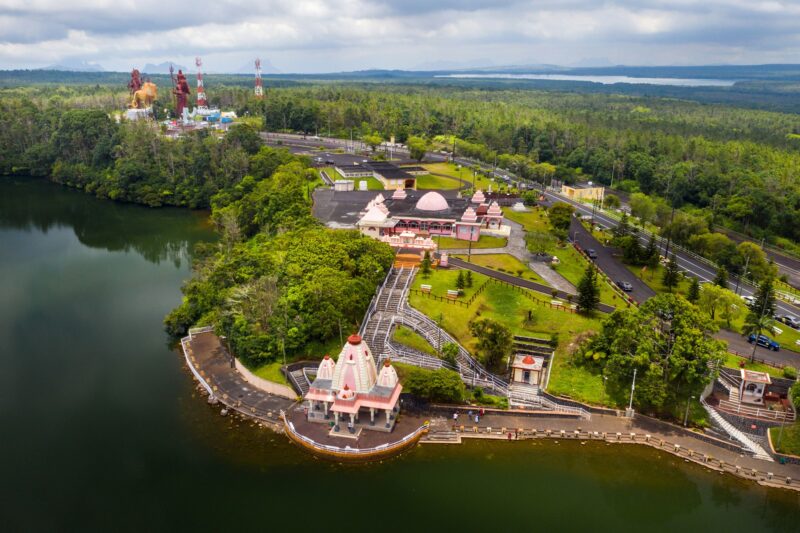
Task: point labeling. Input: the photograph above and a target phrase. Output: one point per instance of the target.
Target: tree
(442, 385)
(693, 295)
(417, 147)
(460, 281)
(560, 214)
(450, 353)
(539, 241)
(623, 229)
(468, 279)
(721, 278)
(756, 261)
(611, 201)
(373, 140)
(425, 266)
(643, 207)
(494, 341)
(667, 341)
(672, 274)
(684, 227)
(631, 250)
(651, 254)
(588, 291)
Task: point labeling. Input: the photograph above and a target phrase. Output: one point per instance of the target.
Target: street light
(633, 387)
(686, 416)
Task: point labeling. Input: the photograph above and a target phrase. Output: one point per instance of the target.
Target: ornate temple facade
(351, 394)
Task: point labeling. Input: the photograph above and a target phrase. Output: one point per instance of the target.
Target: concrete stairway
(736, 434)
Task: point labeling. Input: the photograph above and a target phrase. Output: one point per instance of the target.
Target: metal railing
(728, 406)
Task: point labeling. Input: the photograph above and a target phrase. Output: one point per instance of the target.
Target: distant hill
(162, 68)
(76, 66)
(250, 68)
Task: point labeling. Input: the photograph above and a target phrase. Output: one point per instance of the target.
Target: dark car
(791, 320)
(330, 162)
(591, 253)
(764, 341)
(625, 286)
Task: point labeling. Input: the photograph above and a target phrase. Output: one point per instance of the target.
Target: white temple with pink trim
(352, 389)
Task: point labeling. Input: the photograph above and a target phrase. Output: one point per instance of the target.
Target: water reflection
(164, 234)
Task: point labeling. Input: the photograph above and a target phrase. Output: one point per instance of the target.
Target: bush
(441, 385)
(790, 372)
(794, 394)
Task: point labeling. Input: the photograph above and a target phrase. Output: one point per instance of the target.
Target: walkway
(210, 363)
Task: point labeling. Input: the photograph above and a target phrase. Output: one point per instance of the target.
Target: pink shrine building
(427, 215)
(353, 391)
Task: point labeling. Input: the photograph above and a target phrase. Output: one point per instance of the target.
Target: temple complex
(351, 391)
(409, 219)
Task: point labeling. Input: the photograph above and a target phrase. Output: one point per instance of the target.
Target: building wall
(588, 193)
(463, 233)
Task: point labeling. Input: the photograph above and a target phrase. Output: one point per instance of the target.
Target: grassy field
(653, 277)
(449, 169)
(410, 338)
(572, 266)
(271, 372)
(505, 263)
(485, 241)
(442, 280)
(788, 441)
(372, 183)
(734, 361)
(429, 181)
(533, 220)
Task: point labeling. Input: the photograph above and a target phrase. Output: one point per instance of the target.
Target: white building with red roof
(351, 388)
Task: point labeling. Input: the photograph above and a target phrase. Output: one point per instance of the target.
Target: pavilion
(352, 388)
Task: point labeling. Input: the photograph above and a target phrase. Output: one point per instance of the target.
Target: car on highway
(591, 253)
(625, 286)
(764, 341)
(791, 320)
(330, 162)
(749, 300)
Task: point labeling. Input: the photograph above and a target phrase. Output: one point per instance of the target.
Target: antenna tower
(259, 87)
(202, 103)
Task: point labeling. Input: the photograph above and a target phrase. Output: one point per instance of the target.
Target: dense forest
(726, 165)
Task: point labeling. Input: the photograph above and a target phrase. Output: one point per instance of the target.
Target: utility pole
(686, 416)
(469, 252)
(744, 275)
(758, 331)
(633, 388)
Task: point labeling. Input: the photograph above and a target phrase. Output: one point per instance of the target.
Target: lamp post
(686, 416)
(469, 252)
(633, 388)
(605, 388)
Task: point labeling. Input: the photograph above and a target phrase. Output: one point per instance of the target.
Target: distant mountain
(454, 65)
(250, 68)
(162, 68)
(593, 62)
(76, 66)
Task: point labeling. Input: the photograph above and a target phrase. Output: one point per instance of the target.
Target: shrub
(794, 394)
(790, 372)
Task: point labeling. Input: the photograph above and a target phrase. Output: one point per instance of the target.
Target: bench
(425, 288)
(452, 294)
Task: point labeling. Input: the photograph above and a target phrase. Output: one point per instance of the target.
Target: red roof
(528, 360)
(354, 339)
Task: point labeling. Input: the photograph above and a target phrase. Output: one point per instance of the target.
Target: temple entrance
(410, 183)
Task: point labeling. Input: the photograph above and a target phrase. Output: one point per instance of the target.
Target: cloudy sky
(339, 35)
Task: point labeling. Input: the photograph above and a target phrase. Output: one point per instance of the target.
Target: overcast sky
(340, 35)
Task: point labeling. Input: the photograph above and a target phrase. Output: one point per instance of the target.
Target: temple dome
(432, 201)
(388, 376)
(326, 368)
(355, 368)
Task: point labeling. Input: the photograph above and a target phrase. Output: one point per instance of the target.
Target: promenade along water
(102, 429)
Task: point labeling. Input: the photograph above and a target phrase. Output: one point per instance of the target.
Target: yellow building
(580, 192)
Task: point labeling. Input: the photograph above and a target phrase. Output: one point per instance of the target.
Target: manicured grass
(653, 277)
(410, 338)
(533, 220)
(788, 441)
(372, 183)
(429, 181)
(504, 263)
(576, 382)
(572, 266)
(734, 361)
(442, 280)
(271, 372)
(484, 241)
(449, 169)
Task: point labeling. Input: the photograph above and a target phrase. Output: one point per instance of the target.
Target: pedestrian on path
(477, 418)
(455, 419)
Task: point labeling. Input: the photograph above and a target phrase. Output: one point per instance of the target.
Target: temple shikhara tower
(353, 393)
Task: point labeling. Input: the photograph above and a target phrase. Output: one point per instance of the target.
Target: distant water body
(605, 80)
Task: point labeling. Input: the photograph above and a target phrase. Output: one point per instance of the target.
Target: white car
(749, 300)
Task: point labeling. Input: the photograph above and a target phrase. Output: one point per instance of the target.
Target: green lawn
(271, 372)
(372, 183)
(429, 181)
(788, 441)
(572, 266)
(734, 361)
(653, 277)
(484, 241)
(442, 280)
(533, 220)
(505, 263)
(449, 169)
(410, 338)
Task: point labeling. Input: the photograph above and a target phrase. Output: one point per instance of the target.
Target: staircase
(300, 380)
(736, 434)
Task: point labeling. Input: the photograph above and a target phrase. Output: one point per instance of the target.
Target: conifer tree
(721, 279)
(468, 279)
(460, 281)
(425, 266)
(588, 291)
(671, 274)
(694, 291)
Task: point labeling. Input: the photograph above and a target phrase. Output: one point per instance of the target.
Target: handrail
(197, 375)
(728, 405)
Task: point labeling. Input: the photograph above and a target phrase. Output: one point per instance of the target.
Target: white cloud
(328, 35)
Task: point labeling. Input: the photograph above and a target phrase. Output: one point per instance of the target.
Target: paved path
(552, 277)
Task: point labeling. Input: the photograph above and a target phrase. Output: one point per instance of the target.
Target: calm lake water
(605, 80)
(102, 429)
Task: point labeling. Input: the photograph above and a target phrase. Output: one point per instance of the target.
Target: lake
(103, 429)
(605, 80)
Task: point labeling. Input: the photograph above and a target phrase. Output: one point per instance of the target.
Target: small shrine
(527, 369)
(350, 394)
(753, 386)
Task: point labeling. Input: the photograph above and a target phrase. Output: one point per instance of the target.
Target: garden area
(460, 172)
(430, 181)
(484, 241)
(504, 263)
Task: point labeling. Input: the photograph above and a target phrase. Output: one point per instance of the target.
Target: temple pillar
(336, 421)
(388, 415)
(325, 407)
(371, 416)
(352, 423)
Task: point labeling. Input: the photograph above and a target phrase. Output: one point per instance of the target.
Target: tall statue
(144, 97)
(182, 92)
(136, 81)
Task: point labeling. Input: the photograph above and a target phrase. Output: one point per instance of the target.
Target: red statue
(136, 81)
(182, 92)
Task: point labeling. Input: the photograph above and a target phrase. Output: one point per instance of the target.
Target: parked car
(330, 162)
(749, 300)
(625, 286)
(591, 253)
(764, 341)
(791, 320)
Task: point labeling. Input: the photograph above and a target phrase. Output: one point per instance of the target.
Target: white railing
(755, 412)
(203, 382)
(197, 331)
(353, 451)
